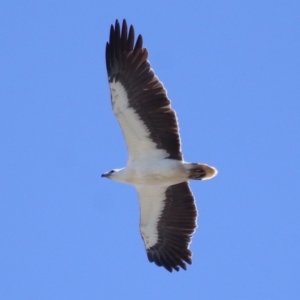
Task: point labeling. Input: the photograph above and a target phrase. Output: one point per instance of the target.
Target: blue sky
(231, 69)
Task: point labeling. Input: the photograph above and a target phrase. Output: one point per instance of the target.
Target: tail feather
(201, 171)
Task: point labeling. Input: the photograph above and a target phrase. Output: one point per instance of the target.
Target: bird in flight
(155, 165)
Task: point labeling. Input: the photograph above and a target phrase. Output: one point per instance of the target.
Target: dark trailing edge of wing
(126, 62)
(175, 227)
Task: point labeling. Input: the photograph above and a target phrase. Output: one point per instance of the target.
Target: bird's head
(108, 174)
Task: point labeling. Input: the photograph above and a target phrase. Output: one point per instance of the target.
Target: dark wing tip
(138, 44)
(121, 42)
(170, 260)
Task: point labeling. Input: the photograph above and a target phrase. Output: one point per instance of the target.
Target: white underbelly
(163, 173)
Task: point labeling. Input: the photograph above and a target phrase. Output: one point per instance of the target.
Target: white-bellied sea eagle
(155, 165)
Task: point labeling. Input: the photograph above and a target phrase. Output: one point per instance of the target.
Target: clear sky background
(232, 71)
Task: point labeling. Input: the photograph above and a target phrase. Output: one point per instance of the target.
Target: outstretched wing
(139, 99)
(168, 219)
